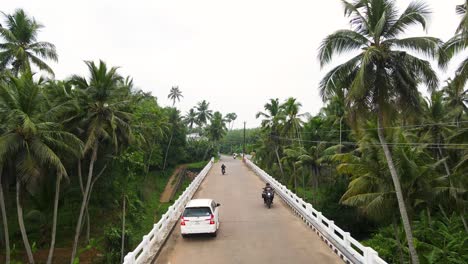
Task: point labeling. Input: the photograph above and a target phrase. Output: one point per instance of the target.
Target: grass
(197, 165)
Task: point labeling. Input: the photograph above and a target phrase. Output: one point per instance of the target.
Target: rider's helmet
(268, 184)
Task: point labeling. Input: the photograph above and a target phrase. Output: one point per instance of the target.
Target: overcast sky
(235, 54)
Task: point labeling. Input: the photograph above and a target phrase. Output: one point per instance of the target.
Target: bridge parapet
(349, 249)
(151, 243)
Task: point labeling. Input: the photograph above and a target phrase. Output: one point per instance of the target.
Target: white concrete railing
(341, 242)
(149, 245)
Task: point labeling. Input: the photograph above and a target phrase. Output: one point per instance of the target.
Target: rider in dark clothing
(223, 168)
(266, 189)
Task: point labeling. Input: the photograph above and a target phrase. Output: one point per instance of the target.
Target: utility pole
(243, 152)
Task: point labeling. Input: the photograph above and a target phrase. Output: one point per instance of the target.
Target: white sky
(235, 54)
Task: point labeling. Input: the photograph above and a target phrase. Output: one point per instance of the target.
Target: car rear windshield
(197, 211)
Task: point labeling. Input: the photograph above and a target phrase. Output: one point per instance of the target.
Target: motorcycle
(223, 171)
(268, 196)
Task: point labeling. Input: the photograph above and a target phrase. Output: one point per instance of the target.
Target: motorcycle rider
(266, 189)
(223, 169)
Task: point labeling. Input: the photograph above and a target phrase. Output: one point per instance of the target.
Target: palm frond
(341, 41)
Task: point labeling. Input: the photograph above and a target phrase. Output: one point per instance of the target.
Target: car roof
(199, 202)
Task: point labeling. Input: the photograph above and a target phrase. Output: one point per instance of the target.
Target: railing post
(331, 227)
(129, 259)
(370, 255)
(319, 218)
(346, 241)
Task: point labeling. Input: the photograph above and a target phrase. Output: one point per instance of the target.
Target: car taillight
(212, 222)
(182, 221)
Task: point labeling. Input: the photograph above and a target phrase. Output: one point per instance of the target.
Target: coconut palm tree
(292, 123)
(191, 118)
(203, 112)
(21, 48)
(217, 128)
(230, 118)
(455, 45)
(4, 220)
(456, 99)
(271, 124)
(175, 94)
(104, 101)
(174, 120)
(382, 77)
(33, 141)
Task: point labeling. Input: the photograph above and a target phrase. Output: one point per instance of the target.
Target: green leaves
(342, 41)
(21, 48)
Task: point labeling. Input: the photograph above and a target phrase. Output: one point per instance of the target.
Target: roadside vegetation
(84, 160)
(381, 159)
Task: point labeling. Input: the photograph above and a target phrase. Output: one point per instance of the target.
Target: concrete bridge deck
(249, 232)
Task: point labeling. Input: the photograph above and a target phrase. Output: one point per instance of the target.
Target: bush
(113, 243)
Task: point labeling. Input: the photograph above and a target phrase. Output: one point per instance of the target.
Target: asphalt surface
(249, 232)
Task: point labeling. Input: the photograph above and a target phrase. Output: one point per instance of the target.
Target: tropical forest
(86, 160)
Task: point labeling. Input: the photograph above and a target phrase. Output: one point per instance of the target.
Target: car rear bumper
(197, 229)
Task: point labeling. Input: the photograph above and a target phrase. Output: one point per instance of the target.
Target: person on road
(223, 169)
(266, 189)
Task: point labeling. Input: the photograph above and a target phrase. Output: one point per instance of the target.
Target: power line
(390, 127)
(427, 145)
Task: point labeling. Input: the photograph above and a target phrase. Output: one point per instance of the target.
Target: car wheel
(214, 234)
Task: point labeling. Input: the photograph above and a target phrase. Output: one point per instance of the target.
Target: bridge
(292, 231)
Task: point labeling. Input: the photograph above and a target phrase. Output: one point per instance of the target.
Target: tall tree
(174, 121)
(455, 45)
(191, 118)
(217, 128)
(382, 77)
(21, 48)
(4, 220)
(292, 122)
(230, 118)
(271, 123)
(104, 118)
(204, 114)
(175, 94)
(32, 140)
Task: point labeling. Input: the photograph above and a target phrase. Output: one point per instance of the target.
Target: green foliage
(197, 150)
(442, 240)
(233, 141)
(112, 243)
(21, 48)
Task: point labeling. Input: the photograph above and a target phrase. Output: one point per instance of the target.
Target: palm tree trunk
(447, 170)
(443, 211)
(123, 231)
(148, 162)
(4, 220)
(88, 225)
(462, 215)
(84, 202)
(279, 162)
(80, 179)
(19, 208)
(295, 179)
(398, 191)
(317, 175)
(429, 218)
(167, 150)
(397, 239)
(303, 185)
(54, 221)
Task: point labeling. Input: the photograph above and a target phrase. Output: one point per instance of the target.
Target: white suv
(200, 216)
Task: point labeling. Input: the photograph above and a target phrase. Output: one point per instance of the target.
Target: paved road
(249, 232)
